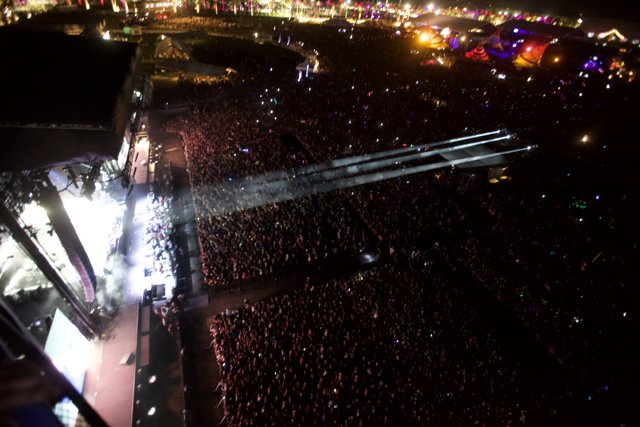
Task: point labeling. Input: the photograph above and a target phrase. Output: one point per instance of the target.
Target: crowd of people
(247, 244)
(398, 345)
(549, 243)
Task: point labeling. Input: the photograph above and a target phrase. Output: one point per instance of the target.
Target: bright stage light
(94, 221)
(35, 217)
(13, 286)
(423, 37)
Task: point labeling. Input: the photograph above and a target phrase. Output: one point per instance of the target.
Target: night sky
(617, 9)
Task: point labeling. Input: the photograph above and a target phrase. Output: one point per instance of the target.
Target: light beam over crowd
(279, 186)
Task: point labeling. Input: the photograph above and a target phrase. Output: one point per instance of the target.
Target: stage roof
(64, 98)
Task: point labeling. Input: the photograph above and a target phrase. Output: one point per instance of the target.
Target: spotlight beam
(290, 190)
(380, 176)
(381, 154)
(337, 173)
(362, 158)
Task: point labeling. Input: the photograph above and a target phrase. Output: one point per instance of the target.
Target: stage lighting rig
(73, 179)
(89, 180)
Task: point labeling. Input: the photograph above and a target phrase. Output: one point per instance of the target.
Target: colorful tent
(477, 54)
(432, 39)
(530, 55)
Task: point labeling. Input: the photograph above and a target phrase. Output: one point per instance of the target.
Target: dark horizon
(616, 9)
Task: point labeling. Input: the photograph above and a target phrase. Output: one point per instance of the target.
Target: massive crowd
(550, 242)
(388, 347)
(242, 245)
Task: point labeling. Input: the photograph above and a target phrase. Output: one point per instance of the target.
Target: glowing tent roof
(530, 55)
(477, 54)
(612, 33)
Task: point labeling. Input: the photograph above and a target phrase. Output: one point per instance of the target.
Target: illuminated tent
(615, 30)
(171, 48)
(432, 39)
(530, 55)
(477, 54)
(612, 35)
